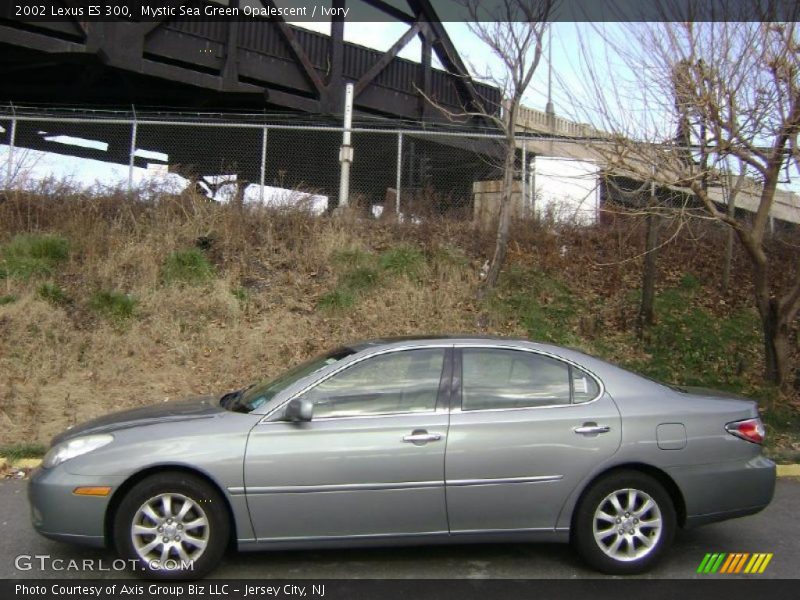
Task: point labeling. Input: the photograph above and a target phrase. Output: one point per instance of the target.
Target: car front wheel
(624, 523)
(172, 526)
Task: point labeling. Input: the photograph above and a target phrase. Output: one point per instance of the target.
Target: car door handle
(422, 437)
(591, 428)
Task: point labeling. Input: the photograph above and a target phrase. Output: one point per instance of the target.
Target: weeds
(30, 255)
(187, 266)
(363, 272)
(404, 260)
(7, 299)
(359, 280)
(542, 304)
(358, 277)
(690, 346)
(53, 294)
(114, 305)
(14, 452)
(241, 294)
(337, 300)
(352, 258)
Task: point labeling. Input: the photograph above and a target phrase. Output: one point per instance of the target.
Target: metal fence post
(346, 150)
(262, 180)
(11, 141)
(134, 130)
(399, 173)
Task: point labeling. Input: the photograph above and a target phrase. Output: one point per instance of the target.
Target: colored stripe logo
(735, 562)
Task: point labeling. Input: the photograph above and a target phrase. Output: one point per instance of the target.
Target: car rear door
(525, 429)
(369, 463)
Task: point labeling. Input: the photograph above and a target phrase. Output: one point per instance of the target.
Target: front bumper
(720, 491)
(59, 514)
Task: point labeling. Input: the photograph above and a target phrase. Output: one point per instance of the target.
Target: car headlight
(74, 447)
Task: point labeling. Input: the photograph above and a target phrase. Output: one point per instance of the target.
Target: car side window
(498, 378)
(584, 386)
(406, 381)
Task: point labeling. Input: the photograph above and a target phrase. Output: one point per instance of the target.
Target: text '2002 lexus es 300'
(410, 441)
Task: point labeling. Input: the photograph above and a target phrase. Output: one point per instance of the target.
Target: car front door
(527, 429)
(369, 463)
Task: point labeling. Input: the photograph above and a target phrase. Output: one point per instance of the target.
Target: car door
(369, 463)
(525, 431)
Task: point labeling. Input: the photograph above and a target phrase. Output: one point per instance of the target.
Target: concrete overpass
(560, 137)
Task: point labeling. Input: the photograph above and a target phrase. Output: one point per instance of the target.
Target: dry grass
(65, 362)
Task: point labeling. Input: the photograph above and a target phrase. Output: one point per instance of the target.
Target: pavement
(775, 530)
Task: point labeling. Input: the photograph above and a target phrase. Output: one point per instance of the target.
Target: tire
(604, 511)
(180, 508)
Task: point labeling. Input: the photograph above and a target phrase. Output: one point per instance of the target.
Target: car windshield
(250, 398)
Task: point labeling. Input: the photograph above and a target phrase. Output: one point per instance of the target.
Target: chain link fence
(404, 173)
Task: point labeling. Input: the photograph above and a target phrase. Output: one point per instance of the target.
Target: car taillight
(751, 430)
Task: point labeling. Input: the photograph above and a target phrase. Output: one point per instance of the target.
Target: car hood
(202, 407)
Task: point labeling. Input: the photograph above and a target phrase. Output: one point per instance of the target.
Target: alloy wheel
(169, 526)
(627, 524)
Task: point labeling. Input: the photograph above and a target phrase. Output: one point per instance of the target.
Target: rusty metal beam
(82, 24)
(336, 46)
(427, 72)
(147, 27)
(448, 55)
(284, 66)
(297, 49)
(387, 57)
(230, 72)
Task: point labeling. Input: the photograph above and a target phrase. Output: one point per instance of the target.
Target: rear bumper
(720, 491)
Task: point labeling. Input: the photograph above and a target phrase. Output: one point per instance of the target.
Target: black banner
(89, 11)
(460, 589)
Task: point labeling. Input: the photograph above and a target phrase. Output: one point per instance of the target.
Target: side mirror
(299, 410)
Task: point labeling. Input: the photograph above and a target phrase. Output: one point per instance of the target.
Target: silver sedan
(410, 441)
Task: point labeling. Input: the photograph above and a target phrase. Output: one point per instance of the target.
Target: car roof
(422, 339)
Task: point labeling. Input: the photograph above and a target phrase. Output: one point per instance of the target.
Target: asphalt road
(776, 529)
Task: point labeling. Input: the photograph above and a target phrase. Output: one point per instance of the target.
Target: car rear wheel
(172, 526)
(624, 523)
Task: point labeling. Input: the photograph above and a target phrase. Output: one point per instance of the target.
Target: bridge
(253, 64)
(234, 70)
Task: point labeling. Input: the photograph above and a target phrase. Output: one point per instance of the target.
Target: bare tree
(734, 88)
(513, 32)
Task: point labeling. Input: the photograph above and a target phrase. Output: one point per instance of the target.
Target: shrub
(28, 255)
(7, 299)
(114, 305)
(187, 266)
